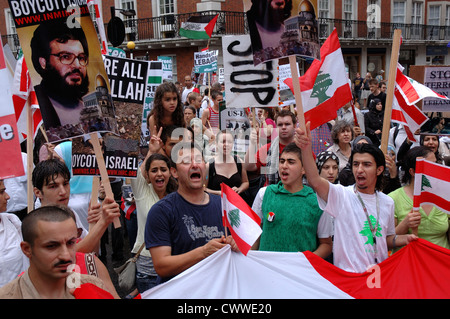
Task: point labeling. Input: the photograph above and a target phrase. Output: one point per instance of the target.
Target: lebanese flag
(410, 116)
(198, 27)
(241, 220)
(412, 90)
(431, 185)
(24, 96)
(325, 87)
(419, 270)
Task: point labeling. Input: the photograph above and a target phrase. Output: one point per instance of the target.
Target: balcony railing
(228, 23)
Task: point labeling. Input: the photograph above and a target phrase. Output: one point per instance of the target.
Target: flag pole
(297, 91)
(416, 203)
(30, 193)
(103, 172)
(390, 89)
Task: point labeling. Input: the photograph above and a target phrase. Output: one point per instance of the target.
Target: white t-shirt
(185, 93)
(352, 250)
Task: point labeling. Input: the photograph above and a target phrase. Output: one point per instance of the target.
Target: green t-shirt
(294, 227)
(433, 227)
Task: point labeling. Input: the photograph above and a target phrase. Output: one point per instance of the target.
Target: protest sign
(247, 85)
(236, 121)
(128, 84)
(281, 29)
(167, 65)
(205, 61)
(63, 54)
(154, 79)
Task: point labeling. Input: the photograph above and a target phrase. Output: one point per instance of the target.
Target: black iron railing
(167, 27)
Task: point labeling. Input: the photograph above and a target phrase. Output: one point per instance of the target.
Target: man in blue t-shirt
(186, 226)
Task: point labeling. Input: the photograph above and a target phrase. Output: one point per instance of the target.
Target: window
(348, 10)
(447, 22)
(416, 19)
(324, 9)
(433, 20)
(398, 15)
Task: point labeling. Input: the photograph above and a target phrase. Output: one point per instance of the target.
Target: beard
(57, 87)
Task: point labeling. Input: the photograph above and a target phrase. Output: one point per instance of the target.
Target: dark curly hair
(158, 110)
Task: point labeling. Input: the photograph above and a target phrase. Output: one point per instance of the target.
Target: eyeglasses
(68, 58)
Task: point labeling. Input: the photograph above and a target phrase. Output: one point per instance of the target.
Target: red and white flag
(413, 91)
(431, 185)
(410, 116)
(100, 25)
(23, 95)
(273, 275)
(243, 223)
(9, 142)
(324, 85)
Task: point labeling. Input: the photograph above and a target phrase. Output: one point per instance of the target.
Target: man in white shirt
(189, 87)
(363, 215)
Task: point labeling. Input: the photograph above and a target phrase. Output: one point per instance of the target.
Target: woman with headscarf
(328, 166)
(373, 121)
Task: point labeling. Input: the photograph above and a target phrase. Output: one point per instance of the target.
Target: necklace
(373, 228)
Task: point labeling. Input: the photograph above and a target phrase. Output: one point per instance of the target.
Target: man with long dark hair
(363, 215)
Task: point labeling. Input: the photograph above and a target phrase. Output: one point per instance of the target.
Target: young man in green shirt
(291, 218)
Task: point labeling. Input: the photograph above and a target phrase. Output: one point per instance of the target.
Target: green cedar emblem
(323, 82)
(368, 233)
(235, 219)
(425, 183)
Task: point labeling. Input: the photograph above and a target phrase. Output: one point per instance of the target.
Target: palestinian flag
(198, 27)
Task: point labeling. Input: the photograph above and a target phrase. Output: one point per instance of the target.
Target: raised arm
(303, 140)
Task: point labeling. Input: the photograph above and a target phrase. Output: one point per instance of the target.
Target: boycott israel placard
(63, 54)
(128, 84)
(205, 61)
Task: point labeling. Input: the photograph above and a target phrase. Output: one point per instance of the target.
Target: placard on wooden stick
(103, 173)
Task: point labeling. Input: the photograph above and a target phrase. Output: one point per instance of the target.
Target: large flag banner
(198, 27)
(247, 85)
(205, 61)
(24, 96)
(128, 82)
(412, 90)
(324, 86)
(417, 271)
(431, 185)
(283, 28)
(243, 223)
(410, 116)
(63, 55)
(9, 138)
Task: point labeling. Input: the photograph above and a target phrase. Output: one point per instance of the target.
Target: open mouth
(160, 181)
(195, 176)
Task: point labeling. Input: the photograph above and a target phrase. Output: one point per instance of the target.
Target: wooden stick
(30, 193)
(390, 89)
(297, 92)
(103, 172)
(94, 194)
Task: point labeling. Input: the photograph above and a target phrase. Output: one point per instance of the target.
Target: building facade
(365, 29)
